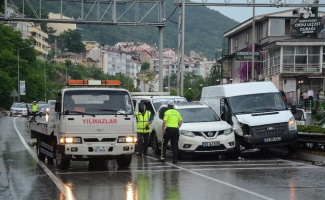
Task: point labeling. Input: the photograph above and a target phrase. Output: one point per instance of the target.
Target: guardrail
(314, 141)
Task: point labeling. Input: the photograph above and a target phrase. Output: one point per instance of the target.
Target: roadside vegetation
(43, 78)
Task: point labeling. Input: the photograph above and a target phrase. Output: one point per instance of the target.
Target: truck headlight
(227, 131)
(70, 140)
(187, 133)
(127, 139)
(292, 124)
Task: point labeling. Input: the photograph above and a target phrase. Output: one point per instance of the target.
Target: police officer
(144, 119)
(34, 110)
(170, 129)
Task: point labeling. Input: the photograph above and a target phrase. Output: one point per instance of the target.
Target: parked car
(202, 131)
(18, 109)
(43, 109)
(51, 102)
(300, 116)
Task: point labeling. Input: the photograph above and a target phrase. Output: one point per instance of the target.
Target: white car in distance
(202, 131)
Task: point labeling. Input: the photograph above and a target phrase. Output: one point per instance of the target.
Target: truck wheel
(40, 155)
(155, 144)
(124, 161)
(62, 161)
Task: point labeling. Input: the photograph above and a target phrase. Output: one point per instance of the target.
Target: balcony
(302, 68)
(291, 69)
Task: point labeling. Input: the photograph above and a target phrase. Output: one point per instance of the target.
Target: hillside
(204, 27)
(204, 30)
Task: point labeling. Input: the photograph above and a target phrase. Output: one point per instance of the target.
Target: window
(236, 42)
(287, 27)
(247, 37)
(277, 27)
(301, 50)
(288, 50)
(265, 29)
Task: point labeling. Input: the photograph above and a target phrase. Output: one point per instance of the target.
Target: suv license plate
(272, 139)
(211, 144)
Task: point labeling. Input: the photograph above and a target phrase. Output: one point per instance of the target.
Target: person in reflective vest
(34, 110)
(170, 130)
(144, 119)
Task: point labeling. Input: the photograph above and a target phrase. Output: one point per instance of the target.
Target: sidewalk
(3, 113)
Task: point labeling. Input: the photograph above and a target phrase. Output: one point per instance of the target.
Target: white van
(257, 112)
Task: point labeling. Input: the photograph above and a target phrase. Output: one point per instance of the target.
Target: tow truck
(90, 121)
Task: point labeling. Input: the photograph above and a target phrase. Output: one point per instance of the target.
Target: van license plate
(99, 149)
(211, 144)
(272, 139)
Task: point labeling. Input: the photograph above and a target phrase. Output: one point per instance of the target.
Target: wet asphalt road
(257, 176)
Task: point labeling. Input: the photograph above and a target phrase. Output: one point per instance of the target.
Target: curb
(316, 157)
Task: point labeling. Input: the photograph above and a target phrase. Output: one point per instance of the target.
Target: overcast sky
(241, 14)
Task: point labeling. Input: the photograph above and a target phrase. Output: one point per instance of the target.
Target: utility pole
(253, 43)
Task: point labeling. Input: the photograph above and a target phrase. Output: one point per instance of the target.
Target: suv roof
(184, 105)
(157, 97)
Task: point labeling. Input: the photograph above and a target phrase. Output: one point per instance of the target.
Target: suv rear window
(190, 115)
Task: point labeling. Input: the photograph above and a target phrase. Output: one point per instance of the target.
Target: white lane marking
(120, 171)
(248, 168)
(244, 164)
(237, 161)
(63, 188)
(216, 180)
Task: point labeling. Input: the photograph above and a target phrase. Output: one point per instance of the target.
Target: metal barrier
(312, 141)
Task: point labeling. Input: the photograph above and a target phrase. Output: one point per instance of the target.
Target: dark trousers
(143, 140)
(171, 134)
(33, 116)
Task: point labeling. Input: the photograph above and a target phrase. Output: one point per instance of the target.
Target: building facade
(289, 51)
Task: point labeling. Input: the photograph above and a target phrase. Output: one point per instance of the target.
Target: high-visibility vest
(34, 107)
(142, 121)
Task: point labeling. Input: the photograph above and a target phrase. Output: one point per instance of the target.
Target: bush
(319, 116)
(310, 129)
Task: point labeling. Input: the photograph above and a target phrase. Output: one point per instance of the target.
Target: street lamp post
(45, 77)
(18, 86)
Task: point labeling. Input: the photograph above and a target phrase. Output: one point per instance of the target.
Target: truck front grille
(270, 129)
(97, 140)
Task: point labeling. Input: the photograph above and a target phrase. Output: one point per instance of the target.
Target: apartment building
(73, 57)
(60, 27)
(29, 29)
(289, 51)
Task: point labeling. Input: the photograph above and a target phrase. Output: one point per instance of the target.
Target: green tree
(10, 43)
(148, 78)
(145, 66)
(71, 42)
(214, 76)
(172, 81)
(193, 84)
